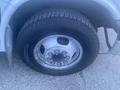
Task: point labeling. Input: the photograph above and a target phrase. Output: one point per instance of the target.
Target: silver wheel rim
(58, 52)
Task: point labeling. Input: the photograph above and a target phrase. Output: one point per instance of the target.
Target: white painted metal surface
(7, 11)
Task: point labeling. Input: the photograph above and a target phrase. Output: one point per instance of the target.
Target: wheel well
(97, 14)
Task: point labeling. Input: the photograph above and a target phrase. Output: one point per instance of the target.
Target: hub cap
(58, 52)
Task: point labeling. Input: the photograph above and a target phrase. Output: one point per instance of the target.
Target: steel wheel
(58, 52)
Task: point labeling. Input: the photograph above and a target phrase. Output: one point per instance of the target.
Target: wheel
(58, 42)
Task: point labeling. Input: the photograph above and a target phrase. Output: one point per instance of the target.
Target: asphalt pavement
(103, 74)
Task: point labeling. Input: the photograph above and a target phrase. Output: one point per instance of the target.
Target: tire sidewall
(79, 31)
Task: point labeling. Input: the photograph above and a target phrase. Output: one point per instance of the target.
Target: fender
(107, 8)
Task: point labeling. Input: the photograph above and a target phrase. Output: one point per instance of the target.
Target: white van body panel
(7, 11)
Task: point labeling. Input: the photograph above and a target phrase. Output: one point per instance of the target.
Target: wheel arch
(100, 13)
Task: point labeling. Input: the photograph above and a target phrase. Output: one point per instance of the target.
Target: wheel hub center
(55, 56)
(58, 57)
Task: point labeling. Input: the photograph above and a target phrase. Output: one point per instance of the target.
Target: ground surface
(103, 74)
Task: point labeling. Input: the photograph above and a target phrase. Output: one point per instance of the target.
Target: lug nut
(48, 58)
(59, 64)
(50, 54)
(68, 57)
(56, 52)
(62, 63)
(55, 63)
(64, 53)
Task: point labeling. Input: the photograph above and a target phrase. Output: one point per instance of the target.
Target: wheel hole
(63, 40)
(42, 49)
(73, 55)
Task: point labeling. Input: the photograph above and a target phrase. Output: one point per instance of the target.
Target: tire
(53, 22)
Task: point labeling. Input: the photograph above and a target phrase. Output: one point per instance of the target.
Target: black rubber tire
(57, 21)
